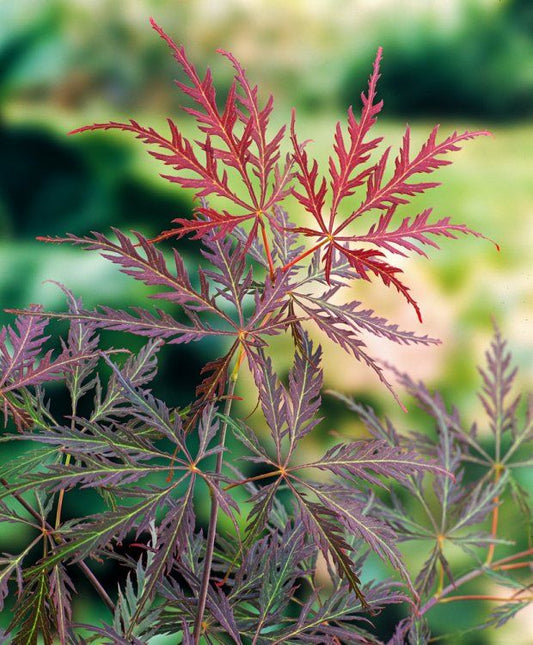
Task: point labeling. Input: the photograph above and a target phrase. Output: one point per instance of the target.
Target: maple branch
(96, 584)
(484, 597)
(57, 537)
(211, 533)
(471, 575)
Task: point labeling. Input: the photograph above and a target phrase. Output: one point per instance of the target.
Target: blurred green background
(462, 63)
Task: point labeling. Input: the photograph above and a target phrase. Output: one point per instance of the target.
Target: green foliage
(479, 69)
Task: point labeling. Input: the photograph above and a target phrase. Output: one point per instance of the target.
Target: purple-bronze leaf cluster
(282, 556)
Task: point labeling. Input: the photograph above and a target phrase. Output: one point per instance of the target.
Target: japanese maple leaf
(235, 139)
(349, 171)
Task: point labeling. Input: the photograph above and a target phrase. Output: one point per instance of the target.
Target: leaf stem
(211, 532)
(267, 247)
(511, 558)
(495, 516)
(272, 473)
(471, 575)
(60, 499)
(484, 597)
(516, 565)
(61, 496)
(300, 257)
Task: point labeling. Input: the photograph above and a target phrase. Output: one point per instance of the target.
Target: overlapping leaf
(365, 460)
(22, 365)
(61, 589)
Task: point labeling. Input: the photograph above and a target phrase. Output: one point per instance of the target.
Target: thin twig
(516, 565)
(211, 533)
(484, 597)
